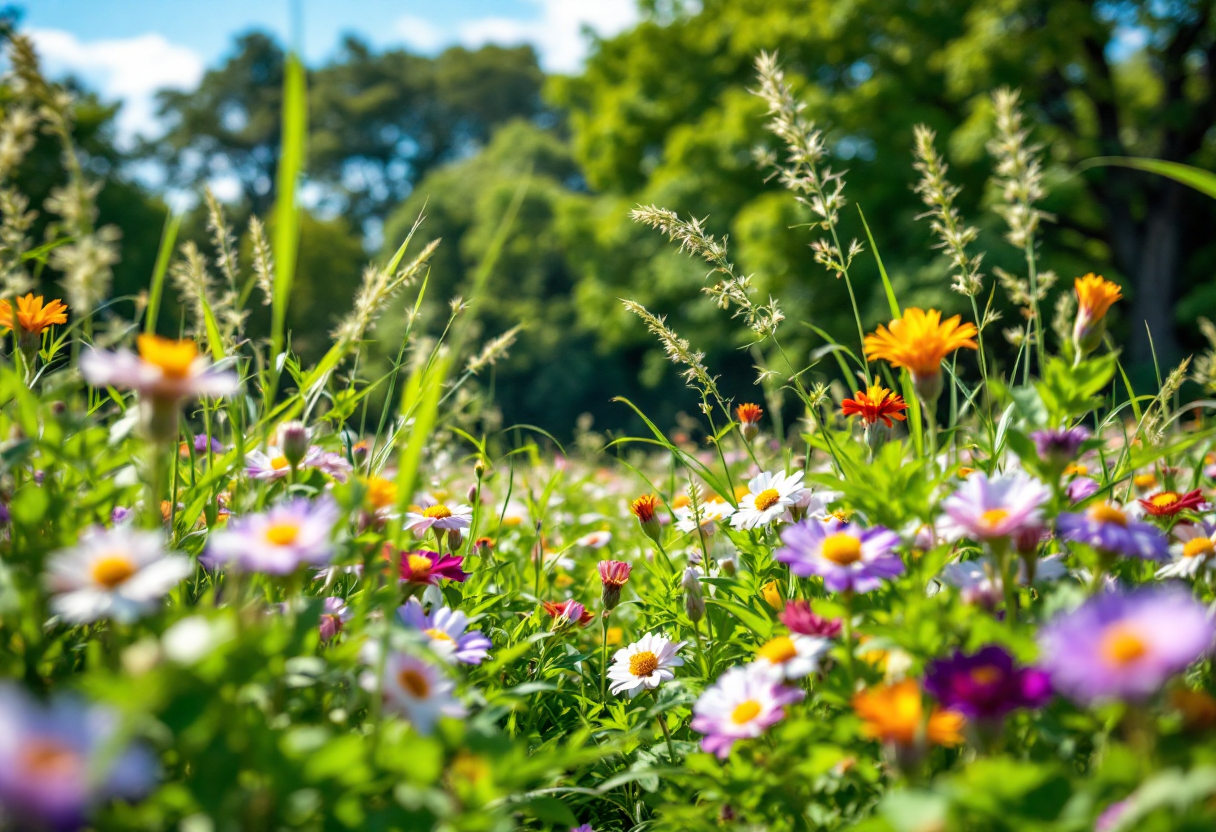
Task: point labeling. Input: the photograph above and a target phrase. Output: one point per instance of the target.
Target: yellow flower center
(964, 472)
(283, 534)
(279, 463)
(1106, 513)
(46, 758)
(415, 682)
(993, 516)
(767, 498)
(439, 635)
(1199, 546)
(1121, 646)
(381, 492)
(1075, 468)
(438, 512)
(643, 664)
(778, 650)
(173, 357)
(419, 564)
(986, 675)
(1164, 499)
(842, 549)
(112, 570)
(1145, 480)
(745, 712)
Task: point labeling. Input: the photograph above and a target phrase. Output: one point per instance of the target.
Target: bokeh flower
(427, 567)
(744, 703)
(799, 618)
(1194, 552)
(767, 499)
(334, 615)
(120, 574)
(847, 556)
(417, 690)
(644, 665)
(60, 761)
(447, 632)
(1059, 446)
(1108, 528)
(895, 714)
(918, 342)
(1125, 646)
(987, 684)
(278, 541)
(795, 655)
(997, 508)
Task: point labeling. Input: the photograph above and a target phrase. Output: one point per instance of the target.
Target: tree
(648, 115)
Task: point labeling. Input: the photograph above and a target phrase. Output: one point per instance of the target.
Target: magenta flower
(847, 556)
(798, 616)
(568, 612)
(986, 685)
(1125, 646)
(445, 629)
(1109, 529)
(427, 567)
(60, 761)
(744, 703)
(613, 575)
(334, 615)
(997, 508)
(1060, 445)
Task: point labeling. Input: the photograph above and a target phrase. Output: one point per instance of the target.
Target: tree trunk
(1155, 277)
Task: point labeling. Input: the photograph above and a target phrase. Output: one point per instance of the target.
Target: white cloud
(129, 70)
(419, 33)
(557, 31)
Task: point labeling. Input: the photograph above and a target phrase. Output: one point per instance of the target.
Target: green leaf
(1201, 180)
(29, 505)
(286, 211)
(168, 237)
(551, 810)
(1071, 391)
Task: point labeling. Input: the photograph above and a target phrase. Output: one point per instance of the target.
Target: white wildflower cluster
(939, 194)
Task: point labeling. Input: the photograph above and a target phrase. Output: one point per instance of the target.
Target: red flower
(1169, 503)
(643, 507)
(569, 612)
(798, 617)
(874, 404)
(427, 567)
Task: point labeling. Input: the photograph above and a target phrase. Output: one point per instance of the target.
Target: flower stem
(604, 659)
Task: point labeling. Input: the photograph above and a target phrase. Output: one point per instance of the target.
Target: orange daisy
(32, 315)
(918, 342)
(874, 404)
(896, 713)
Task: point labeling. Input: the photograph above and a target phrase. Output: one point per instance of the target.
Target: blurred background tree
(663, 113)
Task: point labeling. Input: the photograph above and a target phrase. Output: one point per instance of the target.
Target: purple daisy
(278, 541)
(847, 556)
(1125, 646)
(744, 703)
(1060, 445)
(59, 761)
(445, 628)
(1080, 489)
(991, 509)
(1109, 529)
(986, 685)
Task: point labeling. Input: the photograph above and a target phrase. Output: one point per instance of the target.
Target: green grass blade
(1203, 181)
(286, 211)
(168, 237)
(882, 270)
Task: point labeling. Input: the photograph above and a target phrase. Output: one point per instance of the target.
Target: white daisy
(645, 664)
(418, 691)
(1194, 551)
(437, 515)
(119, 574)
(595, 540)
(794, 655)
(811, 505)
(768, 497)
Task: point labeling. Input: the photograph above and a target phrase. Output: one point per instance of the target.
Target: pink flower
(427, 567)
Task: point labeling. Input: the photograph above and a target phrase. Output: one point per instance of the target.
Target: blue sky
(127, 49)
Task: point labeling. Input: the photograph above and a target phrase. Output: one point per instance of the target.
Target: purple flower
(1081, 488)
(278, 541)
(1060, 445)
(990, 509)
(445, 629)
(1111, 814)
(986, 685)
(59, 761)
(201, 442)
(586, 827)
(1109, 529)
(800, 619)
(1124, 646)
(846, 556)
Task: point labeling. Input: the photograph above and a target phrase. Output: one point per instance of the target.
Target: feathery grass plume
(1205, 365)
(678, 350)
(1064, 316)
(494, 349)
(263, 260)
(1156, 415)
(734, 288)
(378, 287)
(194, 285)
(16, 138)
(222, 238)
(939, 194)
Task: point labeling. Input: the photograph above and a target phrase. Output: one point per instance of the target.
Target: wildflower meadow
(914, 579)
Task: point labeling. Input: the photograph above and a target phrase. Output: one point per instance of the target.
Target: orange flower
(1095, 294)
(874, 404)
(32, 316)
(896, 713)
(644, 507)
(749, 414)
(919, 341)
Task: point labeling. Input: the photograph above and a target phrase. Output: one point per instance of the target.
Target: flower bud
(455, 538)
(359, 452)
(613, 575)
(694, 600)
(293, 438)
(479, 468)
(749, 420)
(471, 494)
(928, 386)
(643, 508)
